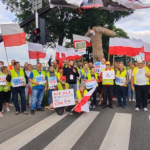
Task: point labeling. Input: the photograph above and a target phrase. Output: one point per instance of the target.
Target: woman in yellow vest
(90, 76)
(121, 79)
(84, 73)
(6, 89)
(60, 73)
(80, 94)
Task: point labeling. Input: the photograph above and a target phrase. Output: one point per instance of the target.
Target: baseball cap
(107, 63)
(63, 78)
(140, 61)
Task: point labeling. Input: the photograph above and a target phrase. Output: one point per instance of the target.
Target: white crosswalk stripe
(26, 136)
(117, 136)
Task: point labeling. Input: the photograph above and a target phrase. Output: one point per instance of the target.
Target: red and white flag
(121, 46)
(67, 53)
(79, 38)
(36, 51)
(12, 35)
(147, 51)
(84, 100)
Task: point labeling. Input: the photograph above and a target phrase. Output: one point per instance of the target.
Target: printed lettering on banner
(52, 82)
(63, 98)
(80, 47)
(120, 81)
(17, 82)
(40, 79)
(102, 67)
(97, 67)
(2, 80)
(108, 75)
(90, 83)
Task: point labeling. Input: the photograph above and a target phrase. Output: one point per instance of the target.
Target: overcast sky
(136, 25)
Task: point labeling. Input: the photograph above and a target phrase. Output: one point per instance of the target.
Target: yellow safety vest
(1, 86)
(61, 88)
(7, 86)
(83, 72)
(56, 70)
(89, 76)
(35, 74)
(15, 75)
(122, 75)
(107, 81)
(79, 96)
(135, 74)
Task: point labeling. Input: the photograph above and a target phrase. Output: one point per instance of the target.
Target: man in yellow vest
(55, 64)
(108, 85)
(39, 85)
(62, 85)
(121, 79)
(140, 79)
(17, 78)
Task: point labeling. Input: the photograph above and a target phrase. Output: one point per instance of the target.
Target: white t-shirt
(141, 79)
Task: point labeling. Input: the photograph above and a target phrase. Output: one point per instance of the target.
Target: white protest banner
(97, 67)
(63, 98)
(108, 74)
(52, 81)
(90, 83)
(17, 82)
(2, 80)
(81, 47)
(40, 79)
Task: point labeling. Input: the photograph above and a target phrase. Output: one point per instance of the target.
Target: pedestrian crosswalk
(92, 131)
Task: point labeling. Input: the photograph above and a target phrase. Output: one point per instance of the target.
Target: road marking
(29, 134)
(67, 139)
(118, 134)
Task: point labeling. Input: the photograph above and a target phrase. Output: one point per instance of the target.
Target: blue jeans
(131, 93)
(37, 96)
(121, 93)
(21, 92)
(74, 87)
(49, 96)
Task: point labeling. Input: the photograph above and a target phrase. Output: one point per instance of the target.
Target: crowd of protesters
(135, 87)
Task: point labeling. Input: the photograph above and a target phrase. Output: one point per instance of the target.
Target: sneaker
(99, 103)
(93, 106)
(129, 99)
(17, 113)
(32, 112)
(25, 113)
(137, 109)
(133, 100)
(40, 109)
(1, 115)
(69, 113)
(7, 109)
(145, 109)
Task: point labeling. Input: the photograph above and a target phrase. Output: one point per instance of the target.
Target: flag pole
(6, 55)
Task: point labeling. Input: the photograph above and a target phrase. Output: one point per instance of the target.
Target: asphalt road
(117, 129)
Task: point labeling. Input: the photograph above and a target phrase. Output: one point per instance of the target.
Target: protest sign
(90, 83)
(52, 81)
(17, 82)
(2, 80)
(120, 81)
(81, 47)
(97, 67)
(63, 98)
(103, 67)
(40, 79)
(108, 75)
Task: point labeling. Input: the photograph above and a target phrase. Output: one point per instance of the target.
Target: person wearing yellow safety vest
(80, 94)
(62, 85)
(39, 85)
(55, 64)
(90, 76)
(17, 78)
(108, 86)
(140, 79)
(84, 72)
(6, 89)
(49, 74)
(60, 73)
(121, 81)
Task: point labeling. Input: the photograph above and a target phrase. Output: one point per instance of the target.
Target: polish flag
(67, 53)
(121, 46)
(36, 51)
(12, 35)
(84, 100)
(147, 51)
(79, 38)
